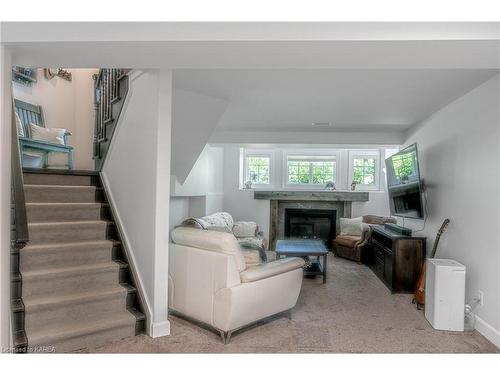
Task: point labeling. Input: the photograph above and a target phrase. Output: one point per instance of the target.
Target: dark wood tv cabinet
(395, 259)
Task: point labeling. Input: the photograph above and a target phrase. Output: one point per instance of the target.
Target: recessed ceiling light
(321, 124)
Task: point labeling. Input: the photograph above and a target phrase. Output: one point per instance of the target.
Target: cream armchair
(210, 283)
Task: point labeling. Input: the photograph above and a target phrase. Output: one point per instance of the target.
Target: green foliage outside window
(364, 171)
(311, 172)
(258, 169)
(323, 172)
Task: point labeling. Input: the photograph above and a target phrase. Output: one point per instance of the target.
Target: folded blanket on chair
(195, 223)
(220, 221)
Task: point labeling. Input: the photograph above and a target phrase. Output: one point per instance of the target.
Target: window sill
(305, 187)
(260, 187)
(367, 188)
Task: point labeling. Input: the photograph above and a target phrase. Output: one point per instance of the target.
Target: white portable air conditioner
(445, 294)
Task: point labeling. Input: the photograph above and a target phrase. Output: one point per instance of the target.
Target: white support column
(160, 326)
(5, 196)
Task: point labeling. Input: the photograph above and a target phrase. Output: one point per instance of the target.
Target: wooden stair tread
(69, 223)
(67, 244)
(81, 328)
(65, 204)
(105, 292)
(38, 186)
(60, 271)
(75, 274)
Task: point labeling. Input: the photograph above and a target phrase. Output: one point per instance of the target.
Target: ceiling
(245, 31)
(255, 45)
(355, 99)
(366, 77)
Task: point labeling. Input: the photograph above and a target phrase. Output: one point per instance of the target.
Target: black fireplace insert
(311, 223)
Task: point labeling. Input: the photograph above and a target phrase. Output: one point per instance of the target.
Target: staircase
(77, 290)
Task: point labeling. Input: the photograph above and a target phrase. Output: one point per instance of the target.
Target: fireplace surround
(311, 223)
(280, 200)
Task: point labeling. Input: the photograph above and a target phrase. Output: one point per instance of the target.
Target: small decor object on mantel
(50, 73)
(248, 185)
(353, 185)
(330, 185)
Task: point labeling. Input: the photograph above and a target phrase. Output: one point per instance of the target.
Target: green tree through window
(306, 170)
(364, 171)
(258, 169)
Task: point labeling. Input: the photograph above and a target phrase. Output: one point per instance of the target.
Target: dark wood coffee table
(300, 248)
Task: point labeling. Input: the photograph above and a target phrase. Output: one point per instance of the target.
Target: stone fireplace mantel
(309, 195)
(280, 200)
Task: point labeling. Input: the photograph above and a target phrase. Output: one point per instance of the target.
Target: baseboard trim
(126, 246)
(491, 334)
(159, 329)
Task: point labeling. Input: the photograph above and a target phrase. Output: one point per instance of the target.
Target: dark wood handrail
(21, 235)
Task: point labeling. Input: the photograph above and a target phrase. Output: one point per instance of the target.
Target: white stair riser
(56, 314)
(39, 259)
(69, 283)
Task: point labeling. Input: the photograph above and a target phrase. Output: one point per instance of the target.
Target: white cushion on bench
(52, 135)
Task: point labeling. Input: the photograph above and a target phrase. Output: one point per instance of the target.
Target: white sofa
(209, 281)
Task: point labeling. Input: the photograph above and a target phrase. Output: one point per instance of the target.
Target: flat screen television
(404, 184)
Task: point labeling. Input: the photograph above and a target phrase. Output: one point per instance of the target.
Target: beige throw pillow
(351, 227)
(52, 135)
(243, 229)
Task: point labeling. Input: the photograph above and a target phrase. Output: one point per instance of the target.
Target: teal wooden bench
(31, 113)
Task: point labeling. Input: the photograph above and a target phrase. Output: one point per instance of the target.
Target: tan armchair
(352, 247)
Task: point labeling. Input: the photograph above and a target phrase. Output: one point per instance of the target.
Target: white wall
(378, 203)
(195, 117)
(179, 210)
(5, 197)
(202, 192)
(459, 161)
(137, 176)
(68, 105)
(205, 175)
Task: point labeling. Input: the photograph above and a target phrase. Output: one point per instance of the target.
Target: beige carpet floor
(352, 313)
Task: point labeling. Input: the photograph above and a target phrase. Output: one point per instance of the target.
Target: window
(310, 169)
(258, 169)
(364, 169)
